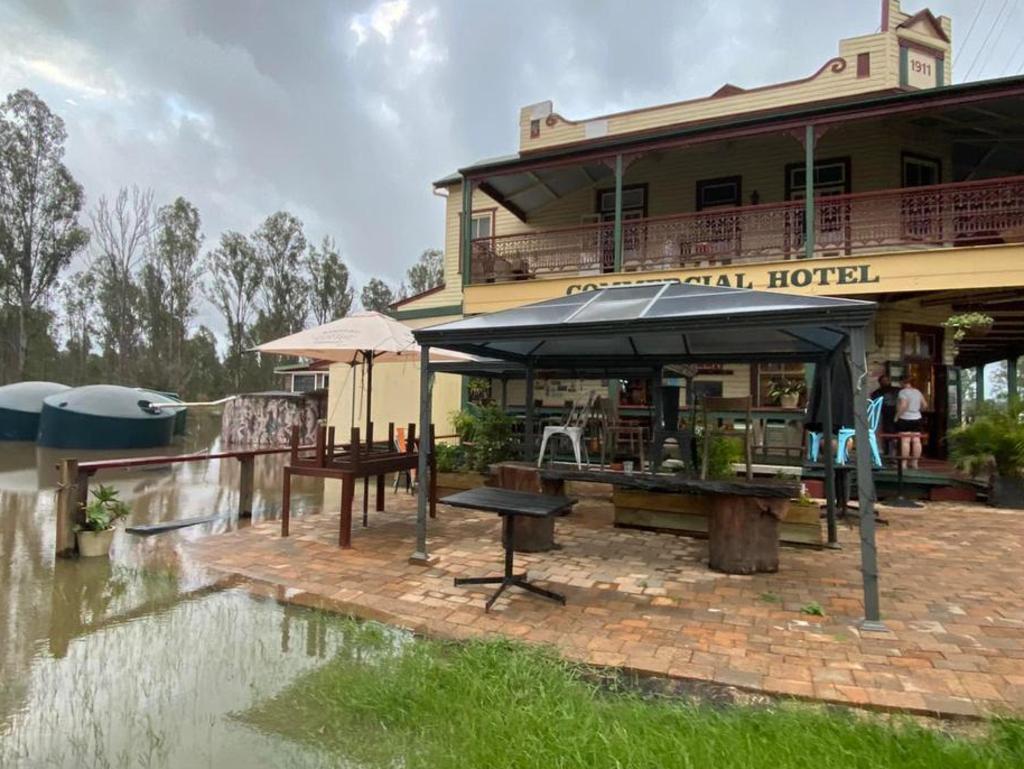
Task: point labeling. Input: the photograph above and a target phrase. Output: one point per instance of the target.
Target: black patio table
(510, 504)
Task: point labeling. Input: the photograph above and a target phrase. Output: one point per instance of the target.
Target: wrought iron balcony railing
(944, 215)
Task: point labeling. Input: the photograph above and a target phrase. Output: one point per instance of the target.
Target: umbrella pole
(368, 357)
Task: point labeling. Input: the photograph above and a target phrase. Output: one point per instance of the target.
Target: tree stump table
(530, 535)
(743, 534)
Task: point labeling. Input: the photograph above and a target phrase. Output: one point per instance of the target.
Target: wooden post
(286, 501)
(246, 483)
(366, 478)
(348, 488)
(72, 494)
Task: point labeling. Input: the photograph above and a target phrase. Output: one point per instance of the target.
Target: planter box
(688, 514)
(1007, 493)
(450, 483)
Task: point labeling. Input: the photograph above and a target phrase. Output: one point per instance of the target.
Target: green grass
(496, 704)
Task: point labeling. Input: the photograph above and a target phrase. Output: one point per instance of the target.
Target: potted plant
(966, 324)
(96, 531)
(787, 391)
(992, 446)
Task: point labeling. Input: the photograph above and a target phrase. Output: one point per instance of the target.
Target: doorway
(921, 353)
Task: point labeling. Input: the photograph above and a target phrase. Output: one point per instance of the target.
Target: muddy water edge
(144, 659)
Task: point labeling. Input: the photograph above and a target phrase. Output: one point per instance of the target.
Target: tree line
(129, 315)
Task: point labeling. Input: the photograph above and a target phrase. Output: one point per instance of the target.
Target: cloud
(382, 19)
(344, 112)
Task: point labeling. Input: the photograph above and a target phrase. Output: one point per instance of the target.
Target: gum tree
(40, 203)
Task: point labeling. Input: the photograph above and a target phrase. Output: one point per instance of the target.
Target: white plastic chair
(573, 428)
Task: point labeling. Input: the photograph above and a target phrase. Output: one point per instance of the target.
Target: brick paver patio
(952, 598)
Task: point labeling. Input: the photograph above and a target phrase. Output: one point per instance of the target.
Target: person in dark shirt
(889, 394)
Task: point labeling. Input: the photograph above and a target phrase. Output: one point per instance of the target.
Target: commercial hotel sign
(940, 269)
(795, 277)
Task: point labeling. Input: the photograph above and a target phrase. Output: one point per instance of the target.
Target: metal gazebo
(657, 324)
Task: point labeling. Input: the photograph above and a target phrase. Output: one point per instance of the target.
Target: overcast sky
(344, 112)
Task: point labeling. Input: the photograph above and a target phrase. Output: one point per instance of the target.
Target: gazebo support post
(504, 394)
(865, 483)
(420, 556)
(829, 457)
(528, 421)
(659, 419)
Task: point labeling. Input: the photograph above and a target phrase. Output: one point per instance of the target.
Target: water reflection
(138, 660)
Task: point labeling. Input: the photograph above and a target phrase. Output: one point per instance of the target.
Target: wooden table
(349, 462)
(510, 505)
(743, 519)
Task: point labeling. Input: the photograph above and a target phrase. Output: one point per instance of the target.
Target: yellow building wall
(836, 78)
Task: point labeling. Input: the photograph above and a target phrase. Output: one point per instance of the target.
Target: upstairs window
(920, 171)
(831, 177)
(482, 225)
(718, 193)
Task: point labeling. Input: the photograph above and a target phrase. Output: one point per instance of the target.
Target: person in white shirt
(909, 405)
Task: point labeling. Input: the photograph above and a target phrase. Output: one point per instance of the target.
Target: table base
(518, 580)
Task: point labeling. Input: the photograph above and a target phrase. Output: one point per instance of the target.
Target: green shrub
(486, 435)
(992, 444)
(723, 451)
(449, 458)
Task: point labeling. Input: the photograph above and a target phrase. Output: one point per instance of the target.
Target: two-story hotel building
(873, 177)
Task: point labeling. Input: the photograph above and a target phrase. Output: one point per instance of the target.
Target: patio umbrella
(842, 396)
(362, 337)
(365, 337)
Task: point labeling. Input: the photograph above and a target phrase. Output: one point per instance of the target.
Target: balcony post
(979, 384)
(617, 234)
(466, 239)
(809, 191)
(1011, 379)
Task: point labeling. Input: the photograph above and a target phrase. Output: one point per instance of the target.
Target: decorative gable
(925, 23)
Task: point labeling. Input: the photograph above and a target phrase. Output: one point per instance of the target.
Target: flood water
(144, 660)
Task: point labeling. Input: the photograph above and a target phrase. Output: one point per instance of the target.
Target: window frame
(475, 214)
(920, 159)
(721, 181)
(844, 161)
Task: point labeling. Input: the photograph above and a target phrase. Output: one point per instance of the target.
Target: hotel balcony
(940, 216)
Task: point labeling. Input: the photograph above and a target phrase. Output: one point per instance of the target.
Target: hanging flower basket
(969, 324)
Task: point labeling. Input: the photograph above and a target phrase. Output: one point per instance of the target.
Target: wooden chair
(612, 429)
(713, 404)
